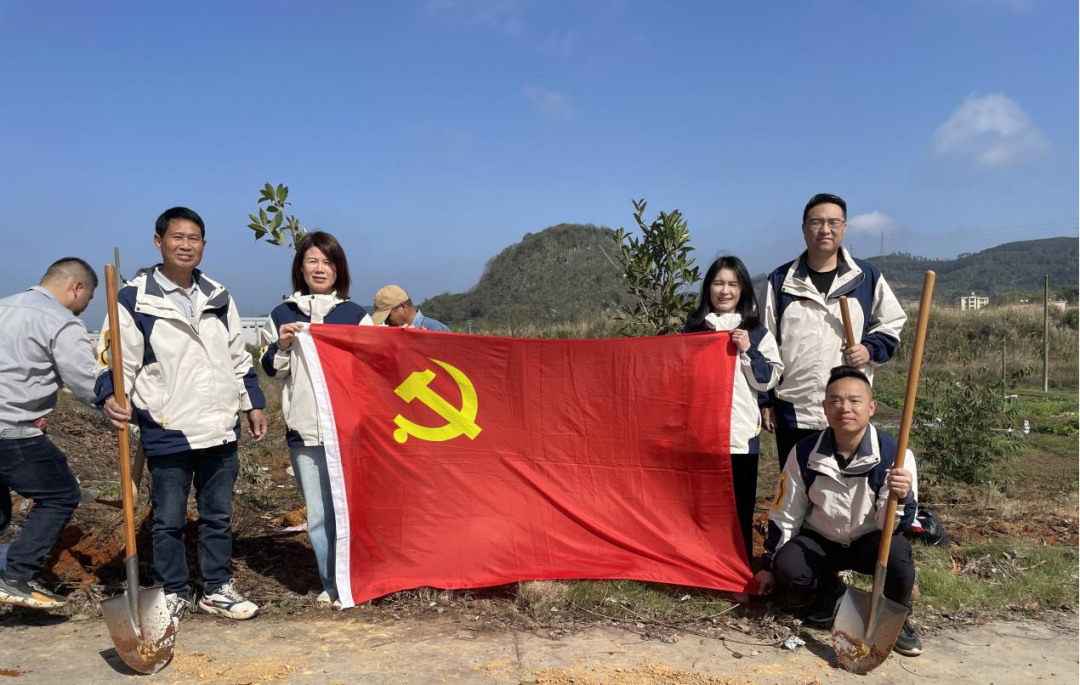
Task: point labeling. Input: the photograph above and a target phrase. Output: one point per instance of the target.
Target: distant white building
(973, 302)
(253, 326)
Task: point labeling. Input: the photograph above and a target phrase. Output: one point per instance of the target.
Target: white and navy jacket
(186, 382)
(759, 369)
(810, 331)
(842, 505)
(298, 395)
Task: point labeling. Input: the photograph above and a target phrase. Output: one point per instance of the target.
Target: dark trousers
(744, 468)
(214, 472)
(787, 438)
(37, 470)
(809, 562)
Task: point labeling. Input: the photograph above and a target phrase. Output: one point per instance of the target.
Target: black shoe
(822, 612)
(908, 643)
(28, 593)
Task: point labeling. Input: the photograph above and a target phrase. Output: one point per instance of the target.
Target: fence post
(1004, 388)
(1046, 332)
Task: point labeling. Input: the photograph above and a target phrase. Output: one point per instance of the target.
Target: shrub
(659, 273)
(963, 433)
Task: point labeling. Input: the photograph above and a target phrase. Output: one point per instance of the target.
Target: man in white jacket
(186, 372)
(802, 311)
(830, 506)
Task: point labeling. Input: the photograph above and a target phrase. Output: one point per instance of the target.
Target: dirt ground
(273, 559)
(350, 647)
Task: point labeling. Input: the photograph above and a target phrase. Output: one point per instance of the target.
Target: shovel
(867, 624)
(139, 621)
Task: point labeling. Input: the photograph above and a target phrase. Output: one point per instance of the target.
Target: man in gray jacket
(43, 347)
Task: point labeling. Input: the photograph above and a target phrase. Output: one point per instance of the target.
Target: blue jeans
(309, 465)
(37, 470)
(214, 472)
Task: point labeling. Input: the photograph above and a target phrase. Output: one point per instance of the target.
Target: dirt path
(348, 648)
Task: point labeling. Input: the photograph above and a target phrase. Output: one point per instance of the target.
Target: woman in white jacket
(728, 303)
(320, 279)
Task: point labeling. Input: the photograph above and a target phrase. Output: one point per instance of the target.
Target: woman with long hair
(728, 304)
(320, 280)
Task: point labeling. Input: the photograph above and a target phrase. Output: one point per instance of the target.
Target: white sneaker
(227, 602)
(177, 606)
(327, 601)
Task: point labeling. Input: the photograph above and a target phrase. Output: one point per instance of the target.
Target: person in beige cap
(394, 308)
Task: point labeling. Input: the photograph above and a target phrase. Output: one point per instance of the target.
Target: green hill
(561, 274)
(557, 275)
(1004, 273)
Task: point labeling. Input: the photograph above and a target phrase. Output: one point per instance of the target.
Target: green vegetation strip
(998, 574)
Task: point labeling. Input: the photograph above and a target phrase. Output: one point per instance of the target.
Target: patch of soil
(232, 671)
(649, 673)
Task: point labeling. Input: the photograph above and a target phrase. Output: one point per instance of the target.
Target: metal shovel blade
(145, 642)
(865, 630)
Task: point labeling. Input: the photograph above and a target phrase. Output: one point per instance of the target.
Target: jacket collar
(848, 276)
(150, 296)
(315, 307)
(823, 458)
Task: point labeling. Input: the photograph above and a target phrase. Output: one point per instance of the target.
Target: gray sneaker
(177, 607)
(28, 593)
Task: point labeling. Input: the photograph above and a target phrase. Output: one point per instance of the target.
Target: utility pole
(1004, 388)
(1046, 332)
(882, 250)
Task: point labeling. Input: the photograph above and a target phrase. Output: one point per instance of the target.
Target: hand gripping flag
(462, 461)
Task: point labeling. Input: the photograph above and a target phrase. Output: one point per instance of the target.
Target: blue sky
(430, 135)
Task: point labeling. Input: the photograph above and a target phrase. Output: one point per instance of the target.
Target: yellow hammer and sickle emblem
(458, 421)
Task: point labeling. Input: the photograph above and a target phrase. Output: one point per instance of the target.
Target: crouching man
(830, 503)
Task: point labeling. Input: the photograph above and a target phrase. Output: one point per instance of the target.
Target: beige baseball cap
(387, 298)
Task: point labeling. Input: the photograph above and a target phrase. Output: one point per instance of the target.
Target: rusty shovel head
(145, 641)
(865, 630)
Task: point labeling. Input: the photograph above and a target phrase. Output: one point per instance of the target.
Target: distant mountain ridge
(998, 272)
(564, 273)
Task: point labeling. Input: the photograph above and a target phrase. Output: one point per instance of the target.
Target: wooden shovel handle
(909, 410)
(849, 333)
(116, 364)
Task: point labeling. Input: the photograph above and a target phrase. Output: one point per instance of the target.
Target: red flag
(463, 461)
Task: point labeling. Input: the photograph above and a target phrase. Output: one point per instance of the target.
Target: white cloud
(990, 131)
(551, 104)
(507, 16)
(872, 223)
